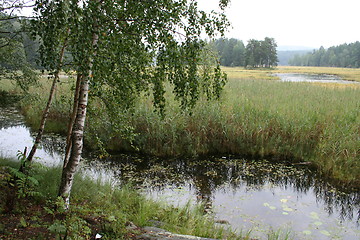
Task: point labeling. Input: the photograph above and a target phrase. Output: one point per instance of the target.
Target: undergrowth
(97, 208)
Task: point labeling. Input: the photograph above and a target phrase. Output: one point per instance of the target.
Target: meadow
(256, 117)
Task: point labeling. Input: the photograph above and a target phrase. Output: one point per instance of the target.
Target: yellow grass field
(350, 74)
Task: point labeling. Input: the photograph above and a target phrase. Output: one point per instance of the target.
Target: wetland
(242, 193)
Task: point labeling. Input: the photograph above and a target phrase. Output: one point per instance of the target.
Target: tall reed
(255, 117)
(261, 118)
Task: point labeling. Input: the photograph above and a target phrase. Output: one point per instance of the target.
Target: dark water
(246, 193)
(321, 78)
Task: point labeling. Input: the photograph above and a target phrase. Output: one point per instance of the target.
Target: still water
(320, 78)
(245, 194)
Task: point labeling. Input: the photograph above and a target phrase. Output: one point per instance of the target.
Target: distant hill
(294, 48)
(285, 56)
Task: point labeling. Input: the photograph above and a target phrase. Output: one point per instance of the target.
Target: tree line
(344, 55)
(257, 53)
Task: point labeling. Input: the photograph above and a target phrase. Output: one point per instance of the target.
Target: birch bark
(72, 120)
(71, 166)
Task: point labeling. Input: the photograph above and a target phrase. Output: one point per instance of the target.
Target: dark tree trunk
(47, 108)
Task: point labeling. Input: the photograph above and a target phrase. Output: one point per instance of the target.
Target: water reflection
(321, 78)
(15, 136)
(237, 190)
(208, 176)
(246, 193)
(9, 117)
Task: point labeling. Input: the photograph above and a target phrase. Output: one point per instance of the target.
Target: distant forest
(16, 44)
(285, 55)
(257, 53)
(344, 55)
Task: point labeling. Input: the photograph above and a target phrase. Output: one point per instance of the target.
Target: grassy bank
(27, 210)
(254, 117)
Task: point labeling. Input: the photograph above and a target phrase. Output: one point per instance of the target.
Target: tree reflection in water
(207, 176)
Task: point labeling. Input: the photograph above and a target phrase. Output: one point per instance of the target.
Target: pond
(245, 194)
(320, 78)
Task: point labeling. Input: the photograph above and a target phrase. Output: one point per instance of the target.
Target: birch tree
(121, 48)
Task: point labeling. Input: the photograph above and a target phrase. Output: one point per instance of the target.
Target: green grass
(254, 117)
(114, 207)
(303, 122)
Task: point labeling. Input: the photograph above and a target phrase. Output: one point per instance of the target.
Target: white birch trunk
(72, 120)
(71, 167)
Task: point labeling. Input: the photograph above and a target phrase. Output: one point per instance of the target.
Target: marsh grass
(350, 74)
(257, 118)
(34, 101)
(288, 121)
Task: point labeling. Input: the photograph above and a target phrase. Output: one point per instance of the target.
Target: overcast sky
(309, 23)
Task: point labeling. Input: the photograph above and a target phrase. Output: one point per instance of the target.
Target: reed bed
(300, 122)
(283, 121)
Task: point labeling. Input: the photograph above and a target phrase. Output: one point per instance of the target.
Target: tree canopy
(344, 55)
(261, 53)
(121, 48)
(14, 42)
(232, 52)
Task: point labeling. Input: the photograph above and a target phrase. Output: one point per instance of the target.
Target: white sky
(309, 23)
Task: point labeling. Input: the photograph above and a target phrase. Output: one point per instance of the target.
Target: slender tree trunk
(72, 120)
(71, 167)
(47, 108)
(77, 143)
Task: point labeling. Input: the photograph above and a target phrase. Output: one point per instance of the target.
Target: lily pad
(285, 213)
(269, 206)
(307, 232)
(287, 209)
(314, 215)
(318, 223)
(326, 233)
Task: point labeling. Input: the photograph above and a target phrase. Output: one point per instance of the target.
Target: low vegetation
(257, 118)
(29, 209)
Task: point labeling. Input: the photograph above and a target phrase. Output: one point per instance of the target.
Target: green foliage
(24, 183)
(261, 53)
(59, 229)
(279, 234)
(14, 64)
(231, 51)
(126, 63)
(344, 55)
